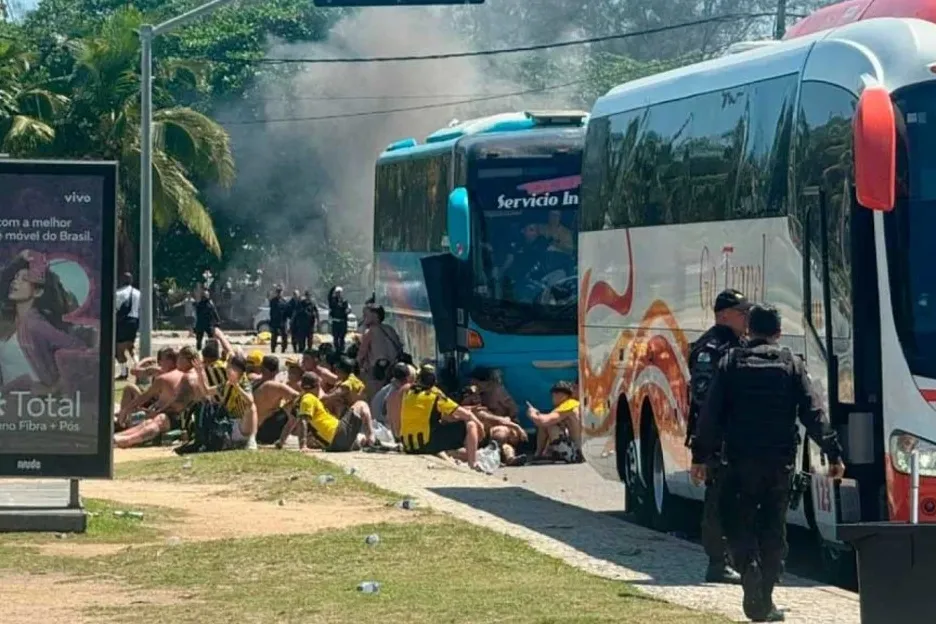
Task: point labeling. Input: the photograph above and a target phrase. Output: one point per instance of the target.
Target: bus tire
(660, 508)
(627, 453)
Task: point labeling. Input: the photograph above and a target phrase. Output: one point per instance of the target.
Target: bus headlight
(903, 444)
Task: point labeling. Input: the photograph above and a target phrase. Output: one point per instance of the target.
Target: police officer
(279, 316)
(758, 393)
(730, 324)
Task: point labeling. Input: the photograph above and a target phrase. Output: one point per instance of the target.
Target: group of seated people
(266, 405)
(320, 400)
(426, 421)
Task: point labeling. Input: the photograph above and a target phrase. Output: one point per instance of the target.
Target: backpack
(381, 368)
(123, 312)
(210, 430)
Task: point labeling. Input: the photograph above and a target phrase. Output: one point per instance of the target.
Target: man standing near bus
(758, 393)
(730, 324)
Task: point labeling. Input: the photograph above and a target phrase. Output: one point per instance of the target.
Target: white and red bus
(804, 174)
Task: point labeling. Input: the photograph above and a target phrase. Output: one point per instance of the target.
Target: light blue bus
(475, 257)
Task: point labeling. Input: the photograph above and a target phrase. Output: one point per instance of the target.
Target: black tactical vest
(761, 422)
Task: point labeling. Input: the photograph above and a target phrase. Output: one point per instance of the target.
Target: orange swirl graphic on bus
(641, 366)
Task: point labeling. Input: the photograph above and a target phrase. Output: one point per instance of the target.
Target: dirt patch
(210, 512)
(86, 550)
(122, 456)
(60, 598)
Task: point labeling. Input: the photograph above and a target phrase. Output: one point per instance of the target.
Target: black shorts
(346, 434)
(443, 436)
(127, 330)
(272, 428)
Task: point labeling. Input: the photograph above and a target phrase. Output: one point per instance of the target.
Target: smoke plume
(303, 181)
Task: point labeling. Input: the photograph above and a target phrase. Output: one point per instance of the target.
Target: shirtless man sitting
(143, 374)
(294, 374)
(501, 429)
(163, 401)
(312, 363)
(274, 401)
(497, 411)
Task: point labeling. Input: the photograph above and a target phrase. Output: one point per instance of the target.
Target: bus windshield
(525, 257)
(911, 227)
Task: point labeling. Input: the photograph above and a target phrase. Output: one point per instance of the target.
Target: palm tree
(190, 150)
(27, 112)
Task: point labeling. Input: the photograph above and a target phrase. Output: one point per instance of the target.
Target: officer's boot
(755, 603)
(719, 571)
(771, 613)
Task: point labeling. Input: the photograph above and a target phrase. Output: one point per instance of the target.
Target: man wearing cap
(730, 324)
(757, 394)
(254, 363)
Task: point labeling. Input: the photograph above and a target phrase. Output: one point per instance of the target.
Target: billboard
(57, 286)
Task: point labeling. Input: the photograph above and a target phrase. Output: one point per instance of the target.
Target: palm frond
(41, 103)
(27, 131)
(197, 142)
(175, 197)
(192, 71)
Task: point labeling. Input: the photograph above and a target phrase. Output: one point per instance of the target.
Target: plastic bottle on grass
(369, 587)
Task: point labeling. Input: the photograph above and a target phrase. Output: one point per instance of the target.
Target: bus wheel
(629, 470)
(660, 506)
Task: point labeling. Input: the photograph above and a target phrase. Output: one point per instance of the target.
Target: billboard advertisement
(57, 284)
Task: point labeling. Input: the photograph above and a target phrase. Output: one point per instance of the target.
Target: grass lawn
(265, 475)
(447, 571)
(432, 568)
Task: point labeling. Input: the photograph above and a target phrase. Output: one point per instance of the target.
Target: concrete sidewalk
(544, 507)
(663, 566)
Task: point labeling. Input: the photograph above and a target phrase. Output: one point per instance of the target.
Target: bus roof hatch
(557, 118)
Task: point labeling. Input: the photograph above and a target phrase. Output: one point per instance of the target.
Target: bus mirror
(459, 223)
(875, 149)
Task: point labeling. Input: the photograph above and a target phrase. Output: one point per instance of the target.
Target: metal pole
(146, 190)
(914, 487)
(147, 33)
(74, 498)
(780, 29)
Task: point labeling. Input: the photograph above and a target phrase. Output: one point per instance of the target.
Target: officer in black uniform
(758, 393)
(730, 324)
(279, 316)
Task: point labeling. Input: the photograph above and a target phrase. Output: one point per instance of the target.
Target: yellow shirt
(216, 373)
(419, 411)
(354, 385)
(238, 401)
(568, 405)
(322, 423)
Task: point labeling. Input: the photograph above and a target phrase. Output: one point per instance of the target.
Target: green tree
(104, 121)
(27, 112)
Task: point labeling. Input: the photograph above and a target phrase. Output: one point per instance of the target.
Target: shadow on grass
(602, 536)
